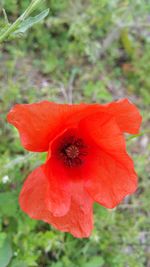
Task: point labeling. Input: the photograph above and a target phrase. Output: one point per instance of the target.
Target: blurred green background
(99, 51)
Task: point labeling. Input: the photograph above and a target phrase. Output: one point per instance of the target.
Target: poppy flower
(86, 160)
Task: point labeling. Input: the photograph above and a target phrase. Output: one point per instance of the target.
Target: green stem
(15, 25)
(137, 135)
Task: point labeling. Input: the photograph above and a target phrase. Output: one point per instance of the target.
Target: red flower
(87, 160)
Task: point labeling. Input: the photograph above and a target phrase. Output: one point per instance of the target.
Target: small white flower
(5, 179)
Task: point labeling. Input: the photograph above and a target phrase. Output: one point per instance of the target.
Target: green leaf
(94, 262)
(5, 253)
(17, 263)
(28, 23)
(2, 238)
(3, 27)
(8, 204)
(58, 264)
(127, 42)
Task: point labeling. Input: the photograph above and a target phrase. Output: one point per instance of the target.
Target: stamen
(72, 151)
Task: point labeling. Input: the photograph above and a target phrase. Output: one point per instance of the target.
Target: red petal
(78, 221)
(110, 173)
(126, 114)
(33, 200)
(104, 132)
(112, 178)
(40, 122)
(33, 196)
(58, 193)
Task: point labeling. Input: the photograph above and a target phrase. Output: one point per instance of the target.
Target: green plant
(23, 23)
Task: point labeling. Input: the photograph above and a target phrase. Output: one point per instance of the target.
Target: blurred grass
(98, 51)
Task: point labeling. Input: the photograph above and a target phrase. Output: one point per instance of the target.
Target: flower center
(72, 151)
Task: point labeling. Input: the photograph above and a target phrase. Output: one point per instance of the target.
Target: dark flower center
(72, 151)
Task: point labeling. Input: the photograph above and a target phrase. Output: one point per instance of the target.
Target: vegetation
(83, 51)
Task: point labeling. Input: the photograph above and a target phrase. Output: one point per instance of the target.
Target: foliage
(98, 51)
(22, 23)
